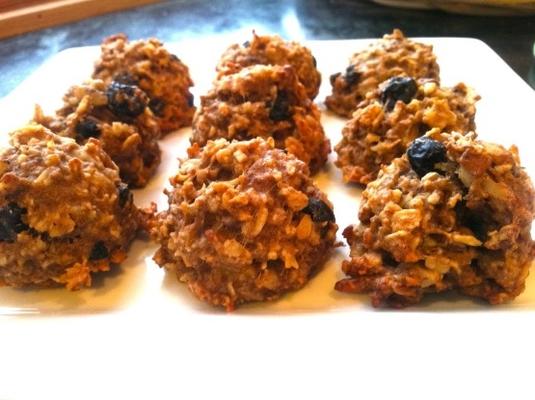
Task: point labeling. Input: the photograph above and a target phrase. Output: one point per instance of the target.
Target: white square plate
(137, 300)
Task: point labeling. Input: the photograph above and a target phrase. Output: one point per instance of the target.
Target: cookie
(64, 212)
(160, 74)
(245, 223)
(263, 101)
(390, 118)
(118, 115)
(272, 50)
(393, 55)
(454, 213)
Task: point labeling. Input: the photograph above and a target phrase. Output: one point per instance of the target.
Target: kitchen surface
(511, 37)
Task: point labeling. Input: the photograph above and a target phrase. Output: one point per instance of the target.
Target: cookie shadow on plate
(110, 291)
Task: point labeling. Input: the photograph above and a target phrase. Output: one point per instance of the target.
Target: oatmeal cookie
(265, 101)
(162, 75)
(452, 213)
(245, 223)
(272, 50)
(64, 212)
(117, 114)
(390, 118)
(393, 55)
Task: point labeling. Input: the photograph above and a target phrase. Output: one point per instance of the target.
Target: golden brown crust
(240, 227)
(393, 55)
(131, 142)
(272, 50)
(465, 227)
(263, 101)
(163, 76)
(375, 135)
(64, 212)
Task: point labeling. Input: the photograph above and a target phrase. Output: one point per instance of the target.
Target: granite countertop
(511, 37)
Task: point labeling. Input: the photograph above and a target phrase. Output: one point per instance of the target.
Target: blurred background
(32, 31)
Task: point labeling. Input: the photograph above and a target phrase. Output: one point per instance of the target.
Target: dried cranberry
(88, 127)
(473, 219)
(99, 252)
(280, 110)
(126, 78)
(125, 196)
(398, 89)
(126, 100)
(352, 76)
(11, 222)
(424, 153)
(319, 210)
(157, 106)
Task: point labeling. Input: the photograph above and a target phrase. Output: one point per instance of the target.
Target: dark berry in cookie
(398, 89)
(280, 110)
(319, 211)
(126, 78)
(351, 76)
(125, 195)
(125, 100)
(424, 153)
(157, 106)
(88, 127)
(99, 252)
(11, 222)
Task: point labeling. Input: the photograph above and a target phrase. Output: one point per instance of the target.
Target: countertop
(511, 37)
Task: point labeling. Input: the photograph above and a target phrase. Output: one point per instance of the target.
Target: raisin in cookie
(272, 50)
(118, 115)
(265, 101)
(452, 213)
(245, 223)
(393, 55)
(64, 212)
(147, 64)
(390, 118)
